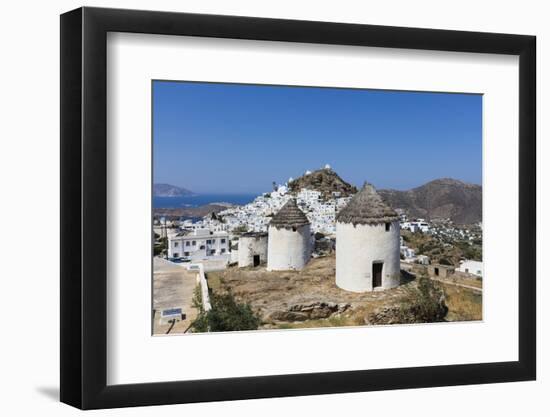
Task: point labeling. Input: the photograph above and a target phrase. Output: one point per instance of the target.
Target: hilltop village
(365, 254)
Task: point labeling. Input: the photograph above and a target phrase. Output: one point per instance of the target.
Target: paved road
(173, 286)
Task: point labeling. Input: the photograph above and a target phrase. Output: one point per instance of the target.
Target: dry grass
(268, 292)
(474, 282)
(464, 304)
(426, 244)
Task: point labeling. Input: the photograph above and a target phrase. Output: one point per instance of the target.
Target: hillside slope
(441, 198)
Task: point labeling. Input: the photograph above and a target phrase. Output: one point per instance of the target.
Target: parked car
(179, 260)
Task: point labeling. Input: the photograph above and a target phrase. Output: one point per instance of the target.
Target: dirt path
(470, 287)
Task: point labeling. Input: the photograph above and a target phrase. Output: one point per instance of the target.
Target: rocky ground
(310, 298)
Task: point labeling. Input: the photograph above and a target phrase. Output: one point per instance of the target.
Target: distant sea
(202, 200)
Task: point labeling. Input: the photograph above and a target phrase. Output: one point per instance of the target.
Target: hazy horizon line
(261, 192)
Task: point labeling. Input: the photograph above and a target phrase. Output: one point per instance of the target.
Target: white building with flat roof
(199, 244)
(471, 267)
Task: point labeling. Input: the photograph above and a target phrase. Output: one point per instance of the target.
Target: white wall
(358, 247)
(288, 249)
(250, 246)
(29, 174)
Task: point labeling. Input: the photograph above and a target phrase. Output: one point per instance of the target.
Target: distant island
(168, 190)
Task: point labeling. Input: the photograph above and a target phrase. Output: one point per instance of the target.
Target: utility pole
(165, 238)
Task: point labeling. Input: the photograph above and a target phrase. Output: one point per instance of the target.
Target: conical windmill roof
(367, 207)
(289, 216)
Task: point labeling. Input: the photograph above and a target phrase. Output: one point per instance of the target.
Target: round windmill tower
(289, 239)
(367, 244)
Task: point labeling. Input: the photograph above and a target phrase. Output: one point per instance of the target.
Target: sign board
(171, 313)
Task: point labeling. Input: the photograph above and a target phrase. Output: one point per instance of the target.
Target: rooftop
(289, 216)
(367, 207)
(254, 234)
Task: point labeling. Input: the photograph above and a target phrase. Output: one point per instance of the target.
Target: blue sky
(232, 139)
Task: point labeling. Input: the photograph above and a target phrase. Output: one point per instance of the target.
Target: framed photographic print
(258, 207)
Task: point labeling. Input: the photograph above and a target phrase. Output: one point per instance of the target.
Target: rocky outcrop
(324, 180)
(311, 311)
(409, 313)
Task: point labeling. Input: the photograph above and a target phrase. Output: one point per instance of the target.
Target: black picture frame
(84, 207)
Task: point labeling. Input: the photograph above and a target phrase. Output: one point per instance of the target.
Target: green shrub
(424, 303)
(197, 298)
(240, 229)
(160, 247)
(226, 315)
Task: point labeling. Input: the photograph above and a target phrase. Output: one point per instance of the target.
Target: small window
(223, 251)
(223, 240)
(185, 253)
(175, 244)
(187, 243)
(388, 225)
(201, 247)
(194, 243)
(213, 241)
(176, 255)
(208, 242)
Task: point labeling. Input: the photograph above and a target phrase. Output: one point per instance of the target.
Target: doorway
(377, 274)
(256, 260)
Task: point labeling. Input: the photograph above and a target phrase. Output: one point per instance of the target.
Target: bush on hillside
(422, 303)
(226, 315)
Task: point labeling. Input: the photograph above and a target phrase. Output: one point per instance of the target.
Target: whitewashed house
(471, 267)
(199, 244)
(415, 226)
(423, 259)
(407, 252)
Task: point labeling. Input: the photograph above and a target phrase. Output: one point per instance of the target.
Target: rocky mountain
(324, 180)
(167, 190)
(441, 198)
